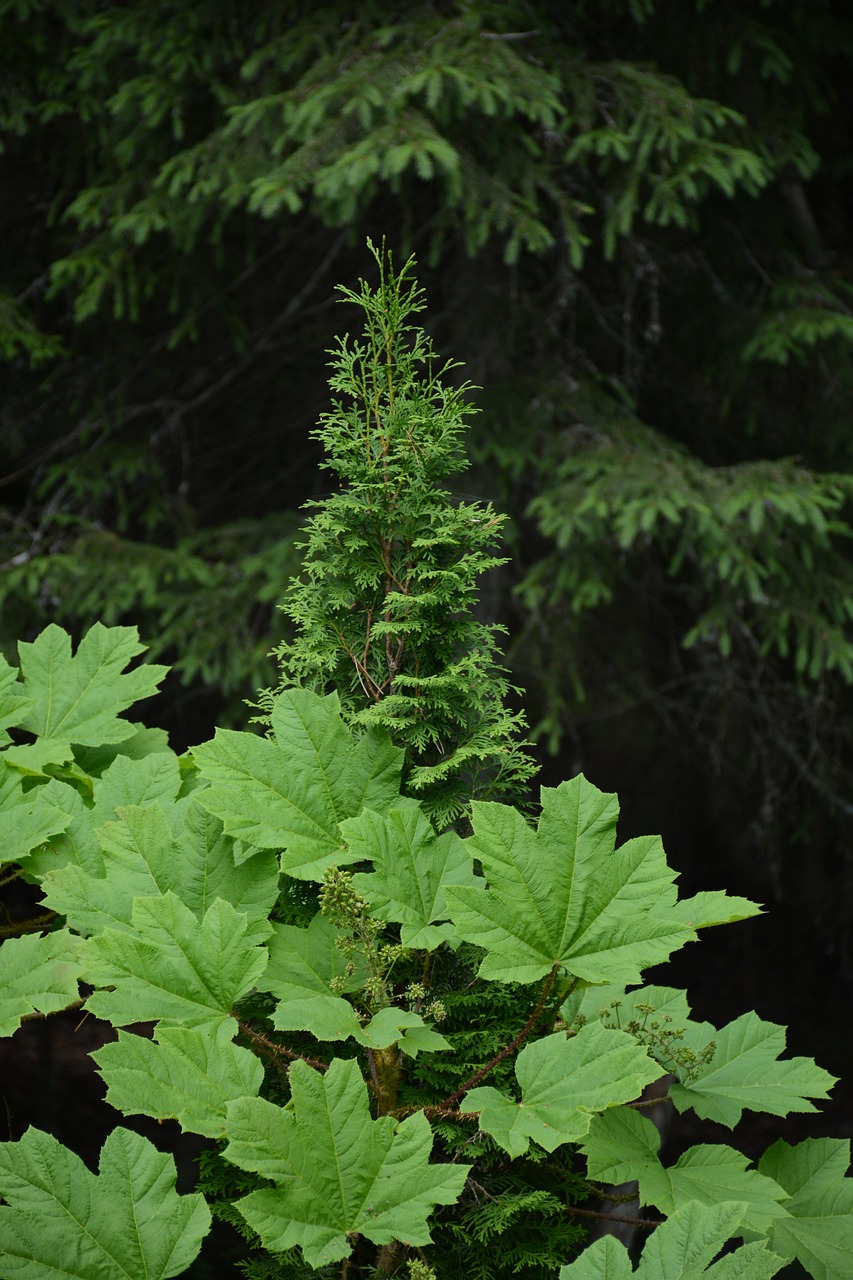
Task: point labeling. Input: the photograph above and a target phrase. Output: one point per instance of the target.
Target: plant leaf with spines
(338, 1172)
(563, 895)
(141, 856)
(292, 792)
(412, 868)
(819, 1227)
(37, 973)
(62, 1222)
(173, 967)
(744, 1071)
(183, 1074)
(78, 699)
(682, 1248)
(623, 1146)
(563, 1081)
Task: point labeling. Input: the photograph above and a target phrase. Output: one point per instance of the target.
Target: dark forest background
(634, 223)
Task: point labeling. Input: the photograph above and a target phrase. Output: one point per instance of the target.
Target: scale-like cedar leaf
(682, 1248)
(564, 895)
(563, 1082)
(291, 793)
(27, 819)
(412, 868)
(172, 966)
(126, 781)
(142, 857)
(37, 973)
(745, 1072)
(819, 1227)
(337, 1171)
(78, 699)
(183, 1075)
(63, 1222)
(623, 1146)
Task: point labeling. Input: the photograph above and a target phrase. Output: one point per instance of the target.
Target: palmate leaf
(412, 868)
(623, 1146)
(744, 1071)
(62, 1222)
(142, 856)
(172, 966)
(291, 793)
(563, 895)
(564, 1082)
(183, 1074)
(37, 973)
(337, 1171)
(819, 1227)
(14, 702)
(78, 699)
(682, 1248)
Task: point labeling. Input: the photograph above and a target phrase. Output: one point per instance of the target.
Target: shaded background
(633, 222)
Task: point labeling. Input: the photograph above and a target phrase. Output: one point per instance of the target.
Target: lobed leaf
(172, 966)
(818, 1228)
(564, 1081)
(744, 1071)
(37, 974)
(337, 1171)
(292, 791)
(127, 1221)
(183, 1074)
(412, 867)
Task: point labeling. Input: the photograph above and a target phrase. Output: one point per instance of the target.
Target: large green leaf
(563, 895)
(62, 1222)
(292, 792)
(183, 1074)
(682, 1248)
(141, 856)
(744, 1071)
(337, 1171)
(14, 702)
(37, 974)
(172, 966)
(78, 699)
(819, 1227)
(623, 1146)
(412, 867)
(564, 1081)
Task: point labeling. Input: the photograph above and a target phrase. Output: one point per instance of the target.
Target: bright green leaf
(37, 973)
(125, 1223)
(184, 1074)
(819, 1227)
(337, 1171)
(564, 1081)
(293, 791)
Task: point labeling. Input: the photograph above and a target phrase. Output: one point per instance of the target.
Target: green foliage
(383, 613)
(347, 1157)
(297, 925)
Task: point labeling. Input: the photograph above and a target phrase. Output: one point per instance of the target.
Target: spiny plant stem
(513, 1044)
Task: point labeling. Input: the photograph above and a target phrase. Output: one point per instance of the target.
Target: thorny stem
(513, 1044)
(268, 1049)
(32, 925)
(611, 1217)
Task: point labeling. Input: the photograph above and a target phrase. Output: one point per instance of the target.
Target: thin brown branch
(269, 1049)
(612, 1217)
(512, 1046)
